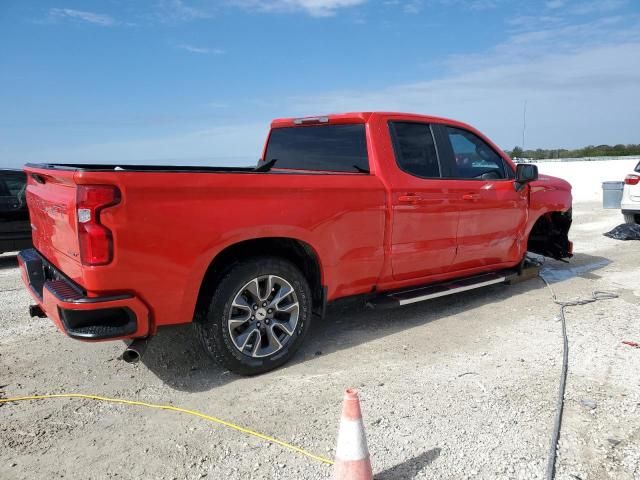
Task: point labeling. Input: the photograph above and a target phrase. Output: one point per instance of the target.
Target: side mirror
(526, 172)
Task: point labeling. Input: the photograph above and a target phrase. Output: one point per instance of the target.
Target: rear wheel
(629, 218)
(257, 317)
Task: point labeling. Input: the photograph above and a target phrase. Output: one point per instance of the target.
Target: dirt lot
(459, 387)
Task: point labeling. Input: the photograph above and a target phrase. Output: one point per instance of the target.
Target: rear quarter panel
(170, 226)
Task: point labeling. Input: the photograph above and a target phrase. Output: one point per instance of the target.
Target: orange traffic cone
(352, 455)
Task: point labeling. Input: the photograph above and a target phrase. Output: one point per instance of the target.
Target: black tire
(629, 218)
(211, 327)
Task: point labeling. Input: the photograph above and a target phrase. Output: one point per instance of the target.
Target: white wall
(586, 177)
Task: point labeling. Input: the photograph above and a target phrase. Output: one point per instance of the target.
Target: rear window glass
(415, 149)
(638, 167)
(335, 148)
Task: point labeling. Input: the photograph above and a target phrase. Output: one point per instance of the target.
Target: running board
(428, 292)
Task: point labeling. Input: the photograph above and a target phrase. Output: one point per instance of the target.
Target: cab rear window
(332, 148)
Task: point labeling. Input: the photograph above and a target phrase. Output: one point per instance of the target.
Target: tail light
(632, 179)
(96, 241)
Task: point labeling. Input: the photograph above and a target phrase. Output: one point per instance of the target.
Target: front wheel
(257, 317)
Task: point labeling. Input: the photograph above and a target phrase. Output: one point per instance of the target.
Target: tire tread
(209, 325)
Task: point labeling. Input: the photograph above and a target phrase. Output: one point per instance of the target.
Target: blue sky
(197, 81)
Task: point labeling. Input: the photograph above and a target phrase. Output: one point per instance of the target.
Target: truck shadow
(176, 357)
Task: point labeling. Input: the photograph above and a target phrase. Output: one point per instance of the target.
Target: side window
(415, 149)
(473, 158)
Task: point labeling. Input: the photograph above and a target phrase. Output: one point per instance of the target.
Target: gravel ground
(458, 387)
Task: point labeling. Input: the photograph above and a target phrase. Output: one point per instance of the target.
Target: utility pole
(524, 123)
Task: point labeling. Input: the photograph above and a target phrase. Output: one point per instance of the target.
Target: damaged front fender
(550, 235)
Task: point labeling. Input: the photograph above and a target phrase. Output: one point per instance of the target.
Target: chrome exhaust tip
(135, 350)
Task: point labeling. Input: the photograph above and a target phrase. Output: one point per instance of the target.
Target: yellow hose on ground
(174, 409)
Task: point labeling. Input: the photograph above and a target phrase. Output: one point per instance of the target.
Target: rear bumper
(629, 204)
(75, 312)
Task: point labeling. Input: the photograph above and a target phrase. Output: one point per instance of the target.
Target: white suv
(631, 197)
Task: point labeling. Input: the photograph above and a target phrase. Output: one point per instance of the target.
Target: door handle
(471, 197)
(410, 198)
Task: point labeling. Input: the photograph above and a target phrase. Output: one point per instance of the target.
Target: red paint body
(169, 226)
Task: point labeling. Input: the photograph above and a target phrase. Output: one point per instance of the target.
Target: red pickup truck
(393, 207)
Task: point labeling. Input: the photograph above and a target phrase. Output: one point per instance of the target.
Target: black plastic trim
(95, 324)
(179, 169)
(34, 269)
(137, 168)
(99, 324)
(321, 309)
(83, 299)
(39, 267)
(524, 271)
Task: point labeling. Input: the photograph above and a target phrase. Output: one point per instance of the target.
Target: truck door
(493, 213)
(425, 216)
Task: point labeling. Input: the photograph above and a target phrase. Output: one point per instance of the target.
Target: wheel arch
(300, 253)
(549, 235)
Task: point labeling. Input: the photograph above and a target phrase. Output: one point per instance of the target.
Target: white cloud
(178, 10)
(580, 82)
(585, 7)
(316, 8)
(597, 6)
(416, 6)
(533, 22)
(201, 50)
(482, 4)
(89, 17)
(413, 6)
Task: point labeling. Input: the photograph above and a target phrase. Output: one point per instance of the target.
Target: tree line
(589, 151)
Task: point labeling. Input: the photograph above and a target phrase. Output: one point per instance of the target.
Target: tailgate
(51, 197)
